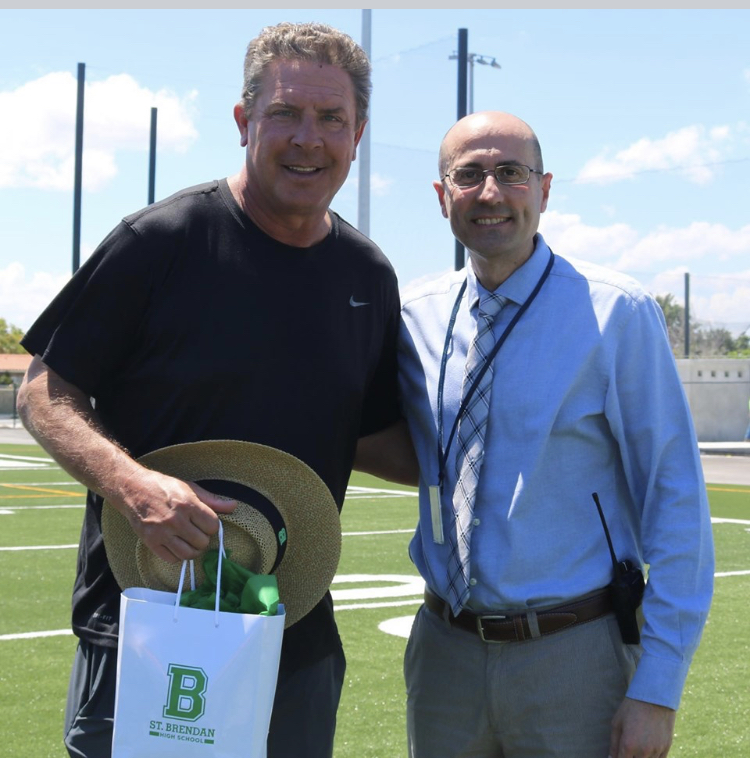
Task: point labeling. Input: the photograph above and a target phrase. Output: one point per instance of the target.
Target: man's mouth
(302, 170)
(491, 220)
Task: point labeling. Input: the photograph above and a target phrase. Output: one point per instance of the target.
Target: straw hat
(286, 522)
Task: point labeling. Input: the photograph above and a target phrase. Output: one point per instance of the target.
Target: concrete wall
(7, 399)
(718, 392)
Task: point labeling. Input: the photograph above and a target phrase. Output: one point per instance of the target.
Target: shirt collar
(519, 285)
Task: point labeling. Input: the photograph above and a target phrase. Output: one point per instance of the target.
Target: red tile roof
(12, 363)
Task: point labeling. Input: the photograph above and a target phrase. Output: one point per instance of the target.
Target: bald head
(495, 219)
(481, 127)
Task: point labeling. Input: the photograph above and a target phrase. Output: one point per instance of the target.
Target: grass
(714, 720)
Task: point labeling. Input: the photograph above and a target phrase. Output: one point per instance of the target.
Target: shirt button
(473, 581)
(476, 521)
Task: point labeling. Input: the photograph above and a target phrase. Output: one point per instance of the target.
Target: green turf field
(376, 591)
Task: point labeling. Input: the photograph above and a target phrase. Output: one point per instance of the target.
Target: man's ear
(440, 188)
(241, 120)
(546, 185)
(358, 137)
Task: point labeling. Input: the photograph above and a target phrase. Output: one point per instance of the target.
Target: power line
(413, 50)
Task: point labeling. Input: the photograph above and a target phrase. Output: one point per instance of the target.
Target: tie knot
(490, 305)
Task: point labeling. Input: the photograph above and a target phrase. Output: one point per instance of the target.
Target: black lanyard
(443, 453)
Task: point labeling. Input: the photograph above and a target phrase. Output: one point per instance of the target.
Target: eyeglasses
(506, 174)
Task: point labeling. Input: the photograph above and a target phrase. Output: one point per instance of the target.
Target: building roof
(14, 363)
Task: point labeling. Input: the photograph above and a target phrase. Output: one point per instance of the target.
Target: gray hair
(318, 43)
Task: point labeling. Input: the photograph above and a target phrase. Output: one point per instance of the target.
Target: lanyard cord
(443, 453)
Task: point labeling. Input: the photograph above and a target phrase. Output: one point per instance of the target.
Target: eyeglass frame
(492, 171)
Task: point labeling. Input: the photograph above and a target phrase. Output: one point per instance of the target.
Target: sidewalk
(11, 433)
(724, 448)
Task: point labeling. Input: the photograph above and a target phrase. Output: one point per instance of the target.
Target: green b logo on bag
(186, 699)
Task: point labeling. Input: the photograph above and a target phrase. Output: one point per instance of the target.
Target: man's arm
(389, 454)
(651, 421)
(174, 519)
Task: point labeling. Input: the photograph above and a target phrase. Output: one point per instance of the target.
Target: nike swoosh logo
(354, 303)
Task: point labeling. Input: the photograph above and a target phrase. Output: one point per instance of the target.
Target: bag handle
(222, 554)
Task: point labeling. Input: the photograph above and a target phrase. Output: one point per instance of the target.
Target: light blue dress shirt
(585, 398)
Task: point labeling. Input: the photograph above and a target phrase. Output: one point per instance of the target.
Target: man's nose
(491, 189)
(307, 133)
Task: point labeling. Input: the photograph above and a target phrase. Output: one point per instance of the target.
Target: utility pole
(687, 315)
(476, 58)
(78, 176)
(466, 63)
(463, 57)
(152, 158)
(363, 214)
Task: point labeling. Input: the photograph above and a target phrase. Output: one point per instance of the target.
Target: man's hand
(175, 519)
(641, 730)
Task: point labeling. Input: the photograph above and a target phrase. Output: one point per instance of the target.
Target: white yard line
(731, 574)
(45, 484)
(352, 491)
(28, 458)
(36, 548)
(378, 604)
(36, 634)
(10, 509)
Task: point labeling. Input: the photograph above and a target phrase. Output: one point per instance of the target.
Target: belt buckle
(480, 626)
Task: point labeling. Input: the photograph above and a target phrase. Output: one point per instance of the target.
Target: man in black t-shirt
(240, 309)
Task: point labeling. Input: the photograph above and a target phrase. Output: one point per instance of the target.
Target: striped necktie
(470, 450)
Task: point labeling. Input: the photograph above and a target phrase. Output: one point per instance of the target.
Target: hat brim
(308, 510)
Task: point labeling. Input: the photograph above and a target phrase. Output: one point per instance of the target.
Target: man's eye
(508, 172)
(466, 175)
(332, 122)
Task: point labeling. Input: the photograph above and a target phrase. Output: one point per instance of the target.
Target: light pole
(476, 58)
(466, 63)
(363, 152)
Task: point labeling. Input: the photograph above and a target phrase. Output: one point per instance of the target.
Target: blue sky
(642, 116)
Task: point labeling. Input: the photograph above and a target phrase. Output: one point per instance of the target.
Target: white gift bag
(193, 683)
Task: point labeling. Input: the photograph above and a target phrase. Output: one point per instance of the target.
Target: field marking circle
(408, 585)
(397, 626)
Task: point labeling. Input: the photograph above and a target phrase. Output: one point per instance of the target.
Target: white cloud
(728, 307)
(380, 185)
(621, 247)
(699, 241)
(39, 141)
(714, 300)
(568, 234)
(22, 297)
(715, 256)
(690, 151)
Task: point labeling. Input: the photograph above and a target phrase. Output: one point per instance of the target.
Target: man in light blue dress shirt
(585, 398)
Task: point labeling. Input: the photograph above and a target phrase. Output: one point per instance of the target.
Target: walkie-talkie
(627, 588)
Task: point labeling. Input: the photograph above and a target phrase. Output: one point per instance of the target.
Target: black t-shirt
(189, 323)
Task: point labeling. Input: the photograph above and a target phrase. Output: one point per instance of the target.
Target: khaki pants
(553, 696)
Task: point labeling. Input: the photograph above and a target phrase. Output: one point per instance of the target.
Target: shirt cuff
(659, 681)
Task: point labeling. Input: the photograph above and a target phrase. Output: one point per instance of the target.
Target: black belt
(515, 626)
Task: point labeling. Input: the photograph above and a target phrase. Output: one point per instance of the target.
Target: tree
(674, 315)
(10, 338)
(705, 341)
(741, 347)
